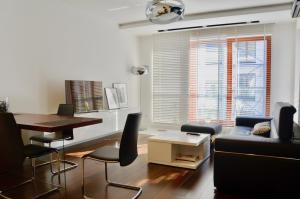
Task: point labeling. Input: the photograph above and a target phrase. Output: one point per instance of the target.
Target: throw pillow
(262, 129)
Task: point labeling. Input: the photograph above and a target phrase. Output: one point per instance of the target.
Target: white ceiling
(124, 11)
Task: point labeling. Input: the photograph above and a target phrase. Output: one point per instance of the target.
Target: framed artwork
(122, 94)
(86, 96)
(112, 98)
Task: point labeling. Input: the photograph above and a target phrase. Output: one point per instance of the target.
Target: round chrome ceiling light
(165, 11)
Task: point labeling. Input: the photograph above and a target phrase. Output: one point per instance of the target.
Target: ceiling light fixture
(165, 11)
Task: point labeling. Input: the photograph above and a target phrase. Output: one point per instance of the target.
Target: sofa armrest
(250, 121)
(258, 146)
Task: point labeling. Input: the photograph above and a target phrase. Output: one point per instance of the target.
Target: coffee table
(169, 148)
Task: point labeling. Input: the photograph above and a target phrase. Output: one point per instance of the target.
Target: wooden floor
(157, 181)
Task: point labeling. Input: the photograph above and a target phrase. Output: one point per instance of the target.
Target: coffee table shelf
(165, 148)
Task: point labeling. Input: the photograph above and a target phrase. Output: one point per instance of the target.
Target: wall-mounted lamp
(140, 70)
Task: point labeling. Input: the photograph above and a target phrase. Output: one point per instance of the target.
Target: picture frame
(86, 96)
(122, 94)
(112, 98)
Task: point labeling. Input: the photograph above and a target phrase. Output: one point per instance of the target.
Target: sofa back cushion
(283, 120)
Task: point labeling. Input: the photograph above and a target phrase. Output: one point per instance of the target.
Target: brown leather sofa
(244, 162)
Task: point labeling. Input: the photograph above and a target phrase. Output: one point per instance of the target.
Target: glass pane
(249, 78)
(211, 102)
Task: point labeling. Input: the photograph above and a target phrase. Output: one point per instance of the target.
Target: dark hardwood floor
(157, 181)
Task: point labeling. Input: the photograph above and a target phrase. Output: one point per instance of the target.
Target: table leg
(64, 165)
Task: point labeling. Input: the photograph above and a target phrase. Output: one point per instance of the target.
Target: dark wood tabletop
(52, 123)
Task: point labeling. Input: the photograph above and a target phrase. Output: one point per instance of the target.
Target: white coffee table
(168, 146)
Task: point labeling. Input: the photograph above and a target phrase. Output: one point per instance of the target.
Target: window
(170, 78)
(251, 74)
(210, 78)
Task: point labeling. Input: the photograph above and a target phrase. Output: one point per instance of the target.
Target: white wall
(297, 72)
(282, 76)
(43, 43)
(283, 61)
(145, 58)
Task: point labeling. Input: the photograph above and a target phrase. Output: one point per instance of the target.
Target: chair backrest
(11, 144)
(128, 146)
(67, 110)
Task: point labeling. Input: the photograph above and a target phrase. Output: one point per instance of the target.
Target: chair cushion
(109, 153)
(43, 138)
(34, 151)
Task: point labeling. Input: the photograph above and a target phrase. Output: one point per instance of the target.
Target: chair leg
(109, 183)
(3, 196)
(58, 165)
(33, 163)
(82, 185)
(73, 165)
(14, 187)
(125, 186)
(32, 178)
(33, 168)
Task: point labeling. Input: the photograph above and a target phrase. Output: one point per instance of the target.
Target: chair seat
(34, 151)
(53, 137)
(109, 153)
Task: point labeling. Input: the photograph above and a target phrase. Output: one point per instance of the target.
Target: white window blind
(211, 75)
(209, 60)
(170, 78)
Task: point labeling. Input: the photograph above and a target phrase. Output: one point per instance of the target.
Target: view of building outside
(248, 79)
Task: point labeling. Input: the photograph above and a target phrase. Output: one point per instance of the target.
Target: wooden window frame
(193, 78)
(230, 41)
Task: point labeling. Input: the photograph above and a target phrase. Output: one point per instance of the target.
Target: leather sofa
(244, 162)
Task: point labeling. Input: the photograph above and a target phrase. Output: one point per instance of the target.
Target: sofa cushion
(241, 130)
(206, 128)
(283, 120)
(250, 121)
(258, 145)
(262, 129)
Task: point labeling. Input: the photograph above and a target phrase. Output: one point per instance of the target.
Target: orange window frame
(193, 77)
(268, 40)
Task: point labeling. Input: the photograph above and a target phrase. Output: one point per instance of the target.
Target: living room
(192, 99)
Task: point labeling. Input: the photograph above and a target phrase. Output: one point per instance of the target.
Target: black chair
(125, 155)
(64, 110)
(13, 152)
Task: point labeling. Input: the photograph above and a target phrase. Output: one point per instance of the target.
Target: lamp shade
(139, 70)
(165, 11)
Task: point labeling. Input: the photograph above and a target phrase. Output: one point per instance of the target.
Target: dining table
(53, 123)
